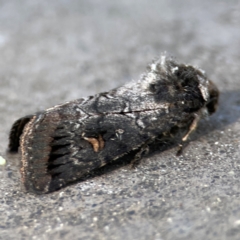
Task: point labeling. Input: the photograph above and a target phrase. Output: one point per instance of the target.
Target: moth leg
(143, 151)
(181, 146)
(192, 127)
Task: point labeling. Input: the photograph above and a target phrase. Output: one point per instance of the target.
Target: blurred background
(56, 51)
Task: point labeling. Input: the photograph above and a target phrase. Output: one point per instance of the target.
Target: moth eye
(213, 98)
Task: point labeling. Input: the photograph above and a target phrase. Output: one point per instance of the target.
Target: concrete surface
(54, 51)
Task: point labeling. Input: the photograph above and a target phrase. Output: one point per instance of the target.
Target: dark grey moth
(62, 144)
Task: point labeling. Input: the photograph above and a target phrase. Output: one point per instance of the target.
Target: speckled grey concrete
(59, 50)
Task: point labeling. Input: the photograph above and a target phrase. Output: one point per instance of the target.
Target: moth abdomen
(16, 132)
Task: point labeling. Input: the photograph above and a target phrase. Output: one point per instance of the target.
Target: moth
(62, 144)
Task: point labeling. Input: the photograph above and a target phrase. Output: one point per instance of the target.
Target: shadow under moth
(62, 144)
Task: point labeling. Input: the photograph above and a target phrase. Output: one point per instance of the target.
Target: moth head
(212, 102)
(209, 92)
